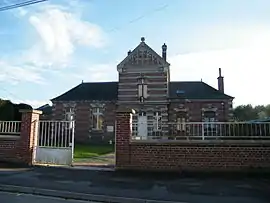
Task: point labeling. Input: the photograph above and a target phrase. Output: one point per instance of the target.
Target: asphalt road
(25, 198)
(198, 188)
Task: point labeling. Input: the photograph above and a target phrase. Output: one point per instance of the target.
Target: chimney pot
(164, 51)
(220, 81)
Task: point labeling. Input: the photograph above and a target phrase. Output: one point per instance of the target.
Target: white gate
(142, 127)
(55, 143)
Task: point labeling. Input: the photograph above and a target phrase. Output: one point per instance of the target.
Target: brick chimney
(220, 82)
(164, 51)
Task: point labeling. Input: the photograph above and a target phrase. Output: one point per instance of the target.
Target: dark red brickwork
(123, 130)
(83, 121)
(179, 156)
(195, 109)
(19, 149)
(191, 156)
(83, 133)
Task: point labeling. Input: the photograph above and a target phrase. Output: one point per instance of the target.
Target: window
(142, 89)
(181, 124)
(97, 118)
(69, 114)
(181, 120)
(209, 116)
(157, 122)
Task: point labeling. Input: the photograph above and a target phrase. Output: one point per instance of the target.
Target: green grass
(90, 151)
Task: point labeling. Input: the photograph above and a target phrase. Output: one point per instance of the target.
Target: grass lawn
(90, 151)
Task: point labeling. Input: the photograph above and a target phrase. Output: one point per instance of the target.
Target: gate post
(122, 137)
(29, 134)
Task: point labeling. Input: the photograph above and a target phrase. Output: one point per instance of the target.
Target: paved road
(190, 189)
(24, 198)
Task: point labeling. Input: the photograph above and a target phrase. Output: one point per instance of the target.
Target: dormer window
(180, 92)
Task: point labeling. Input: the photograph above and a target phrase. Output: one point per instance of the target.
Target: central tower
(144, 86)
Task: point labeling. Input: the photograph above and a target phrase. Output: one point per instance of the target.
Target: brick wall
(178, 156)
(194, 109)
(19, 149)
(83, 121)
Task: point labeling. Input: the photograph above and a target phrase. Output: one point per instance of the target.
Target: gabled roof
(107, 91)
(103, 91)
(195, 90)
(143, 47)
(46, 109)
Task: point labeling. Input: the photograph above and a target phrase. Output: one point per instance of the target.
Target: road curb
(74, 195)
(83, 168)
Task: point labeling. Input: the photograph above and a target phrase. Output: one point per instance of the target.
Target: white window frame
(142, 89)
(209, 121)
(69, 114)
(97, 112)
(157, 125)
(181, 123)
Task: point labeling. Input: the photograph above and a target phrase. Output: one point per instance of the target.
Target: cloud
(97, 73)
(59, 32)
(15, 73)
(33, 103)
(245, 70)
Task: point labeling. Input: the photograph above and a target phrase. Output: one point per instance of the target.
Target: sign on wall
(110, 129)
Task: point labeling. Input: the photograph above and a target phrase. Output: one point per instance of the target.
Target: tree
(6, 110)
(267, 110)
(248, 112)
(10, 111)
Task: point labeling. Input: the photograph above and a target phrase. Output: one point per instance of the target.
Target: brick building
(144, 85)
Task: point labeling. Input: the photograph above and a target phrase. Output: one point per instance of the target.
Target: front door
(142, 127)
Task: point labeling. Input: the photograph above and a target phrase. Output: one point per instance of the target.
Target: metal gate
(55, 143)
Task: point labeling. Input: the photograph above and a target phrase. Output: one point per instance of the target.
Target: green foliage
(7, 110)
(10, 111)
(248, 112)
(88, 151)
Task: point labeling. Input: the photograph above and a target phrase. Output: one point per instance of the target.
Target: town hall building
(143, 85)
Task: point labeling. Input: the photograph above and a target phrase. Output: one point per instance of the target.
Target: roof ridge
(187, 81)
(108, 91)
(100, 82)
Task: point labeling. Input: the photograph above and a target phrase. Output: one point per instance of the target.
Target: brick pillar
(28, 137)
(122, 136)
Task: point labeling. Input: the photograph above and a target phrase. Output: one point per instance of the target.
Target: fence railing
(10, 128)
(55, 134)
(202, 131)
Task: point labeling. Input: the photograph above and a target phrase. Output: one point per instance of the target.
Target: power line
(22, 4)
(10, 93)
(140, 17)
(7, 91)
(26, 3)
